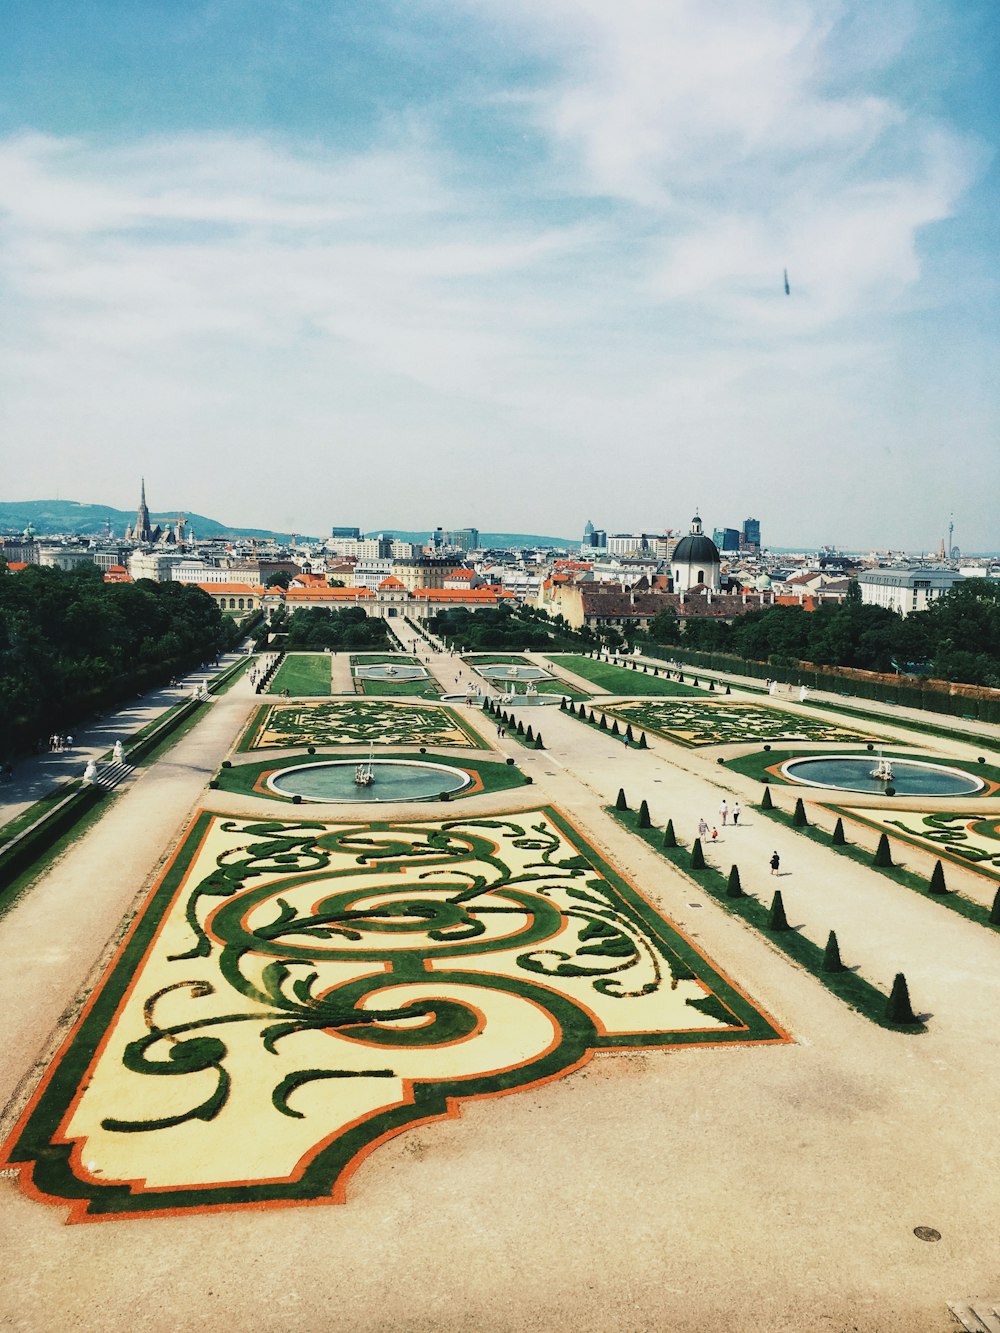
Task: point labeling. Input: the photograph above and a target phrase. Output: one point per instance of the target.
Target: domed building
(695, 561)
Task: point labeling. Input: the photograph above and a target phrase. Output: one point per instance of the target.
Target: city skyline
(507, 260)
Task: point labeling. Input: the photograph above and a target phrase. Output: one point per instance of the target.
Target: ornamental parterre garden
(708, 723)
(294, 992)
(969, 840)
(357, 722)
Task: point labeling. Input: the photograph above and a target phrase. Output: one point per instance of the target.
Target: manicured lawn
(303, 674)
(621, 680)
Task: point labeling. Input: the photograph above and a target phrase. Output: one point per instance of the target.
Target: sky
(511, 264)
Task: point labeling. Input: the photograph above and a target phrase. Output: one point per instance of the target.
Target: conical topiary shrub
(604, 723)
(711, 685)
(562, 704)
(697, 856)
(538, 742)
(614, 728)
(728, 690)
(995, 910)
(670, 840)
(799, 819)
(642, 741)
(628, 733)
(520, 727)
(643, 821)
(831, 955)
(734, 889)
(529, 735)
(765, 801)
(776, 919)
(621, 803)
(899, 1009)
(937, 885)
(837, 836)
(883, 853)
(592, 719)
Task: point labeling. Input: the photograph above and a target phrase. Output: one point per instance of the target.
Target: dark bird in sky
(788, 290)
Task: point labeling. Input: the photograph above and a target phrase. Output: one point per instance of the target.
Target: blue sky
(506, 263)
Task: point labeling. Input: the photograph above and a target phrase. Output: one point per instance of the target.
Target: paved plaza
(584, 1097)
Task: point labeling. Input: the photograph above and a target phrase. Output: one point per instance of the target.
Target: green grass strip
(848, 986)
(26, 818)
(621, 680)
(908, 879)
(303, 674)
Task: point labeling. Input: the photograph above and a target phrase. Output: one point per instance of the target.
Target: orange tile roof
(231, 589)
(392, 583)
(15, 565)
(325, 594)
(465, 574)
(479, 595)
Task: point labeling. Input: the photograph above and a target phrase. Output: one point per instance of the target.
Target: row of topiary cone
(898, 1009)
(882, 855)
(516, 725)
(568, 706)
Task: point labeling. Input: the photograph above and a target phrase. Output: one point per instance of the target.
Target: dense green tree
(71, 644)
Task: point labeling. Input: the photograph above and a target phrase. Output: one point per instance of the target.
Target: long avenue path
(739, 1188)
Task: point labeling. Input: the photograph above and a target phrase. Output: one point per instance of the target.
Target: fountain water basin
(389, 671)
(507, 671)
(910, 777)
(333, 781)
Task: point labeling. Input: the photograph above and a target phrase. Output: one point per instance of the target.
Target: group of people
(58, 743)
(733, 812)
(726, 811)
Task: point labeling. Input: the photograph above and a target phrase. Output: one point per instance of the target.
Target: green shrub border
(848, 986)
(28, 846)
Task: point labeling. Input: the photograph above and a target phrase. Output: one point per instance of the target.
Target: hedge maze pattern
(295, 992)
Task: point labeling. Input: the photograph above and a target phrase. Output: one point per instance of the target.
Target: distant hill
(71, 518)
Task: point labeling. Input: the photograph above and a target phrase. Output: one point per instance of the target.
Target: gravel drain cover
(926, 1233)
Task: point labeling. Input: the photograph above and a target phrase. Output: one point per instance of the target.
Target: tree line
(72, 645)
(957, 638)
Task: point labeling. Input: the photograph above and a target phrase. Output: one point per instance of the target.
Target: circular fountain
(335, 780)
(508, 671)
(908, 777)
(390, 671)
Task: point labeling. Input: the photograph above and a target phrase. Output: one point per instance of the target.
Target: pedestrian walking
(775, 862)
(723, 811)
(715, 835)
(736, 812)
(702, 827)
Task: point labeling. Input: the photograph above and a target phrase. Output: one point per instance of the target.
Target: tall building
(727, 539)
(750, 537)
(353, 533)
(466, 539)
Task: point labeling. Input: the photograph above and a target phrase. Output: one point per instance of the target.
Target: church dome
(696, 549)
(762, 582)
